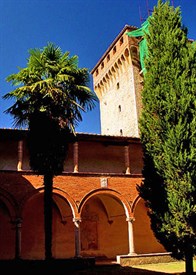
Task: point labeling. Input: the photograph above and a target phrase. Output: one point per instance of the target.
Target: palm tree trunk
(48, 183)
(189, 260)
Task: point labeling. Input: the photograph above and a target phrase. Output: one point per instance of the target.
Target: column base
(132, 254)
(78, 257)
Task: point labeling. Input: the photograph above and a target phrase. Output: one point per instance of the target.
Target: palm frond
(52, 83)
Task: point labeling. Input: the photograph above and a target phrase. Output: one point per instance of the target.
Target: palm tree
(50, 95)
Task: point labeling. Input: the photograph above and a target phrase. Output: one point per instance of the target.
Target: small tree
(168, 133)
(51, 94)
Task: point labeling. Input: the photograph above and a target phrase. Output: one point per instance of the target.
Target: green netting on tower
(143, 49)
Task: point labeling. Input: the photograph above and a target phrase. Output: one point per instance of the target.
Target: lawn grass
(171, 268)
(87, 267)
(175, 268)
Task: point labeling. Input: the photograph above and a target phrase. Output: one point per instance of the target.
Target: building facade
(118, 83)
(96, 207)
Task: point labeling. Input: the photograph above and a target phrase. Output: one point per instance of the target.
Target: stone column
(18, 225)
(75, 156)
(77, 237)
(130, 236)
(20, 155)
(127, 160)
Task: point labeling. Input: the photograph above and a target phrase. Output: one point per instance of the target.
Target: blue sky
(84, 28)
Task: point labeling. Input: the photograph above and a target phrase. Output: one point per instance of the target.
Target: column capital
(130, 219)
(77, 221)
(17, 221)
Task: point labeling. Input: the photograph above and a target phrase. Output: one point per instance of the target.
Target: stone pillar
(20, 155)
(18, 225)
(77, 237)
(75, 157)
(130, 236)
(127, 160)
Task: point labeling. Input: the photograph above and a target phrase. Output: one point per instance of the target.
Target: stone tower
(118, 83)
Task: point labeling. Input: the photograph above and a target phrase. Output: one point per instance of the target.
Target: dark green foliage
(168, 132)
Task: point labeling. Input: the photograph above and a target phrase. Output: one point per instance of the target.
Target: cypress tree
(168, 133)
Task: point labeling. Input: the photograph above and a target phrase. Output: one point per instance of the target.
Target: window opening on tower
(121, 41)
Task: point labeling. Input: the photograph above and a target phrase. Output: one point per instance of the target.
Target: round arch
(109, 192)
(69, 199)
(56, 191)
(104, 229)
(64, 211)
(10, 203)
(134, 204)
(142, 229)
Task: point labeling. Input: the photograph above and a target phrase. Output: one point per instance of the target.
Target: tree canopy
(168, 132)
(53, 84)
